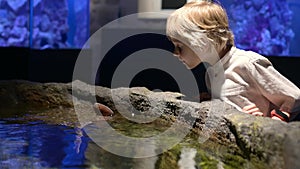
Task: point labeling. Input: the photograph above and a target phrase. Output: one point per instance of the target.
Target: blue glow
(38, 145)
(268, 27)
(43, 24)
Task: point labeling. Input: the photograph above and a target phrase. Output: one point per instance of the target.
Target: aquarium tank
(14, 23)
(270, 28)
(44, 24)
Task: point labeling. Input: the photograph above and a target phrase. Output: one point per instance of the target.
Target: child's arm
(281, 92)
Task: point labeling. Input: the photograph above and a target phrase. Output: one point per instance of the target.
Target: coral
(262, 26)
(53, 25)
(16, 4)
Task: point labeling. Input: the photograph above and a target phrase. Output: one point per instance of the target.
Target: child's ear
(209, 54)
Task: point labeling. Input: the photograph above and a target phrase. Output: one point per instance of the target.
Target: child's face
(186, 55)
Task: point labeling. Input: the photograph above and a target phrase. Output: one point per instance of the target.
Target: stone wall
(273, 143)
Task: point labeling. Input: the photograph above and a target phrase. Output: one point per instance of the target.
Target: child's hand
(252, 109)
(204, 96)
(280, 115)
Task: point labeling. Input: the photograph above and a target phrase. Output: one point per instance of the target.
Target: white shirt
(242, 78)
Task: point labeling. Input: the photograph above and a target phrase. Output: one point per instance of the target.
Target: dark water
(38, 145)
(28, 143)
(32, 144)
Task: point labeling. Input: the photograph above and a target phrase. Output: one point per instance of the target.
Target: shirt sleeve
(274, 86)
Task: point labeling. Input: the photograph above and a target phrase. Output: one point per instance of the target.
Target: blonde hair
(201, 24)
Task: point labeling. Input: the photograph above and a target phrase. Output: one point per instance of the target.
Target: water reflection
(38, 145)
(27, 144)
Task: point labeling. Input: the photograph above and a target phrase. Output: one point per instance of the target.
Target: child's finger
(286, 113)
(258, 114)
(251, 111)
(249, 107)
(276, 118)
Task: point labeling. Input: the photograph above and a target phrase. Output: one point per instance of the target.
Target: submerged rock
(261, 141)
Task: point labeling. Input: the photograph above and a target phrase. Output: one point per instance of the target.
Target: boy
(244, 79)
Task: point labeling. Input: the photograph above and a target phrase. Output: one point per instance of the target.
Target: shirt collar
(228, 55)
(219, 66)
